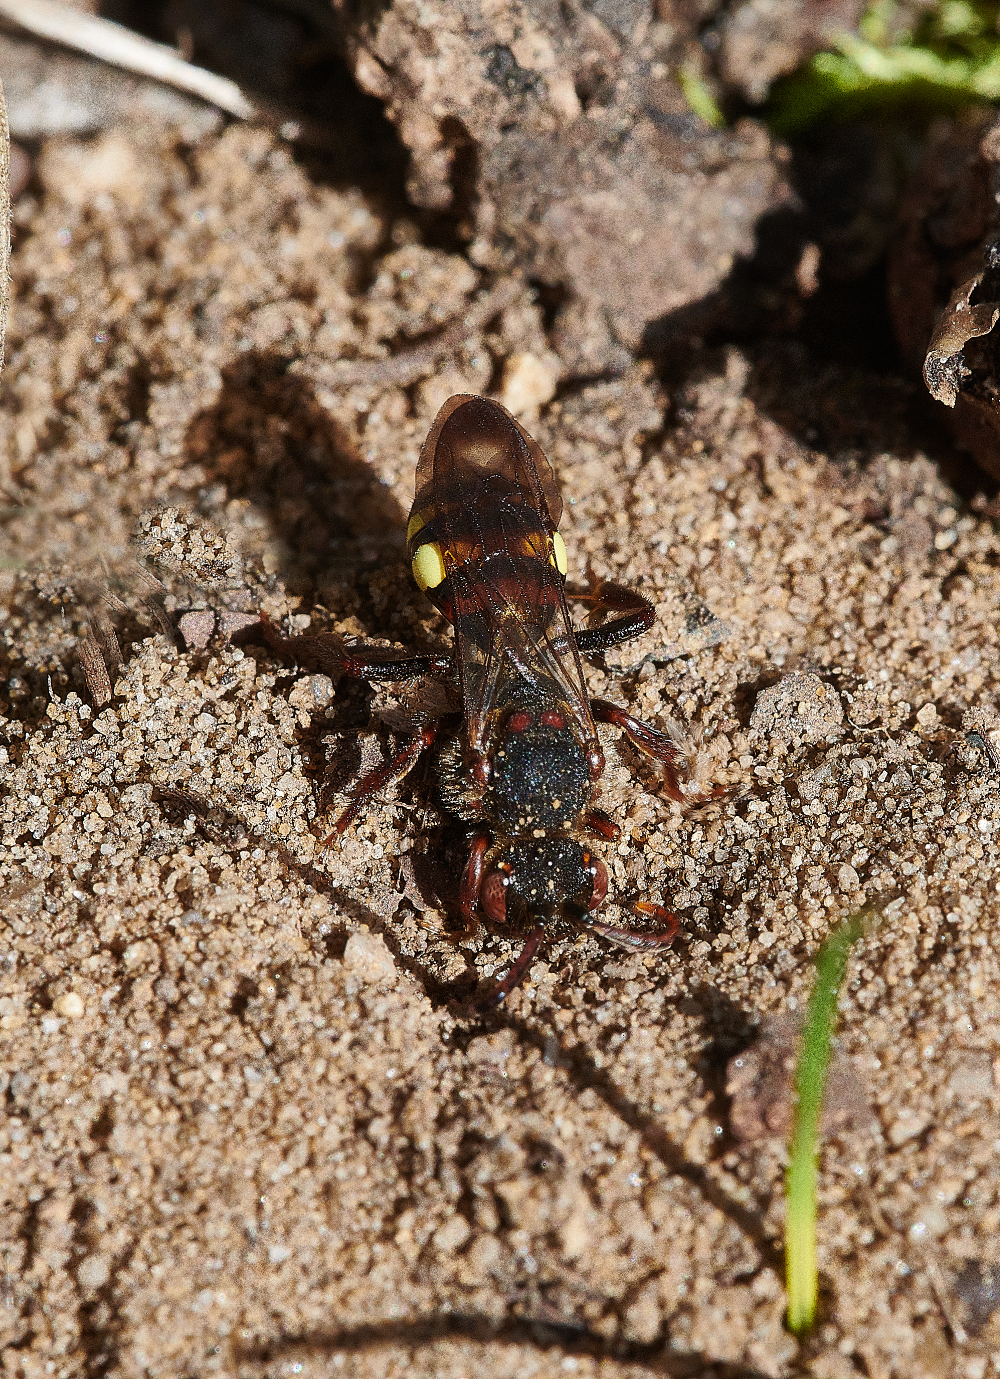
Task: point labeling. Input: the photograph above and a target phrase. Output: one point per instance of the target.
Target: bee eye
(493, 897)
(559, 558)
(428, 566)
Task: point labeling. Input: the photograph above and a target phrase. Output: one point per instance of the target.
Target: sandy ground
(250, 1128)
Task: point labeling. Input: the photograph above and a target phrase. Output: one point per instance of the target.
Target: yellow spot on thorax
(559, 557)
(428, 566)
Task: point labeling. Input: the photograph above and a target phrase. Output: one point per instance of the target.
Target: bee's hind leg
(331, 655)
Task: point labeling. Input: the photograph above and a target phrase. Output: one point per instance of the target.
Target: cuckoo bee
(522, 763)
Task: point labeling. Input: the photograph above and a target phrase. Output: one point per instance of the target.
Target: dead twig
(4, 220)
(110, 42)
(95, 672)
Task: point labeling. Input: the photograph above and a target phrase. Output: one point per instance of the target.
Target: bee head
(541, 879)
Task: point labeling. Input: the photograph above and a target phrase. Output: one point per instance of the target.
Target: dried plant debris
(945, 280)
(95, 671)
(52, 91)
(945, 368)
(100, 38)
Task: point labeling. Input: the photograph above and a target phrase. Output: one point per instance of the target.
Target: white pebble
(368, 957)
(71, 1005)
(94, 1271)
(452, 1235)
(529, 382)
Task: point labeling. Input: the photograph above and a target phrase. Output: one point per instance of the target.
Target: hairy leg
(635, 614)
(394, 769)
(660, 746)
(330, 654)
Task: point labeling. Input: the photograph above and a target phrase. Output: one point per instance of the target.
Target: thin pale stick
(4, 220)
(110, 42)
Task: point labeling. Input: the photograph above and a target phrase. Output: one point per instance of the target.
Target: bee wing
(500, 636)
(485, 440)
(495, 504)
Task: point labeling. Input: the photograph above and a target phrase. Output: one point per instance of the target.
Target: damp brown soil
(250, 1127)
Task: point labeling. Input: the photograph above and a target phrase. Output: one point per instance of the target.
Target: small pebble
(70, 1005)
(452, 1235)
(94, 1271)
(528, 383)
(197, 628)
(848, 878)
(230, 622)
(368, 957)
(907, 1125)
(799, 705)
(312, 692)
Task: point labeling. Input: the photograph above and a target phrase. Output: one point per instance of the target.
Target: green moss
(949, 57)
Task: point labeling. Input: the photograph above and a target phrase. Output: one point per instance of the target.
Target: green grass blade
(699, 98)
(810, 1086)
(900, 65)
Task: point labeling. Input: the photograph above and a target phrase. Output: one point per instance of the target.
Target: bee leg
(660, 746)
(330, 654)
(602, 825)
(395, 769)
(515, 973)
(642, 938)
(472, 883)
(636, 615)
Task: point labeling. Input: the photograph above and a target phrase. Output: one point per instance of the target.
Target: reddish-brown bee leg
(649, 740)
(642, 938)
(395, 769)
(637, 615)
(602, 825)
(659, 746)
(330, 654)
(472, 881)
(516, 972)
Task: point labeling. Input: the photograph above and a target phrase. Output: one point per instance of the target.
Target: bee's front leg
(669, 927)
(472, 883)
